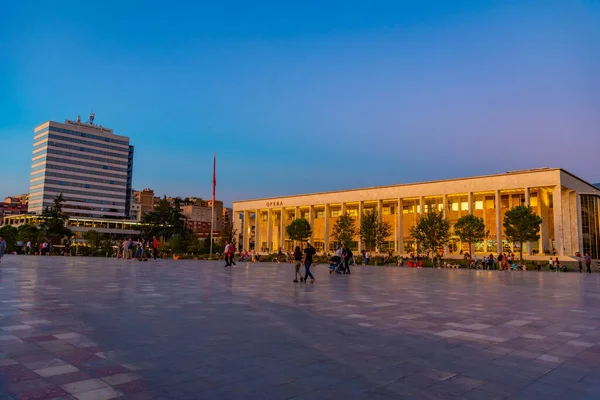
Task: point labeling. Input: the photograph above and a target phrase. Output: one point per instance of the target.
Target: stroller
(336, 265)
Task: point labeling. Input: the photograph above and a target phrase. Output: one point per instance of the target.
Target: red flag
(214, 177)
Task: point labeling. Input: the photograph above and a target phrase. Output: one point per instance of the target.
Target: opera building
(568, 205)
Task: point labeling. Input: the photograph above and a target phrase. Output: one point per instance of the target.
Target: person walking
(539, 265)
(226, 251)
(580, 265)
(28, 247)
(20, 247)
(309, 252)
(154, 247)
(346, 256)
(2, 247)
(231, 254)
(557, 264)
(588, 263)
(298, 262)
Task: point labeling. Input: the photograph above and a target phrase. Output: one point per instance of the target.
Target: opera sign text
(274, 203)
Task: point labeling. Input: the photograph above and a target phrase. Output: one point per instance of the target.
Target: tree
(9, 233)
(344, 229)
(373, 231)
(228, 235)
(299, 229)
(54, 220)
(165, 220)
(431, 232)
(94, 239)
(522, 225)
(470, 229)
(29, 233)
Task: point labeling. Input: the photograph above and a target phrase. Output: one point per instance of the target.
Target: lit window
(479, 205)
(454, 206)
(464, 206)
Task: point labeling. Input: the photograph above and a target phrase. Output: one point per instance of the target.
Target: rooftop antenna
(79, 118)
(91, 120)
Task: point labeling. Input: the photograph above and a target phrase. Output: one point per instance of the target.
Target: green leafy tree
(184, 243)
(470, 229)
(228, 235)
(9, 233)
(54, 220)
(165, 220)
(299, 229)
(373, 231)
(30, 233)
(522, 224)
(431, 232)
(107, 247)
(94, 240)
(344, 229)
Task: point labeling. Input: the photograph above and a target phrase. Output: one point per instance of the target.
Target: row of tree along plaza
(568, 207)
(77, 236)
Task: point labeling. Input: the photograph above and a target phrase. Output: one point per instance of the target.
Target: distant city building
(21, 199)
(90, 165)
(198, 217)
(8, 209)
(145, 198)
(227, 215)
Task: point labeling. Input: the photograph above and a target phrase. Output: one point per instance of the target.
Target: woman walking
(298, 263)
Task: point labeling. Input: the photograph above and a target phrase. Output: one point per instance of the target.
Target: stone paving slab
(92, 328)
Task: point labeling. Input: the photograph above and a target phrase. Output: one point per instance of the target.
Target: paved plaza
(93, 329)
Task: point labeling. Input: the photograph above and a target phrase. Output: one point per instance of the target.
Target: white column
(380, 215)
(296, 216)
(360, 212)
(247, 230)
(281, 229)
(421, 205)
(579, 227)
(399, 229)
(527, 203)
(558, 228)
(498, 224)
(311, 221)
(257, 239)
(269, 232)
(470, 202)
(326, 229)
(543, 210)
(445, 212)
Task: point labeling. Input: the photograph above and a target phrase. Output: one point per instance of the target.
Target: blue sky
(308, 96)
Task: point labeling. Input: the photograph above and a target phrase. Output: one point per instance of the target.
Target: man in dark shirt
(346, 256)
(588, 263)
(309, 251)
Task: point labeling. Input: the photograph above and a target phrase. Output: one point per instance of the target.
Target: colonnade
(560, 209)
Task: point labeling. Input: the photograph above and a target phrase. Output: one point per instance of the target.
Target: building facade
(198, 217)
(11, 208)
(90, 165)
(114, 228)
(568, 206)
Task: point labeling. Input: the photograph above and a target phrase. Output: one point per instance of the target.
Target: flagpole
(212, 214)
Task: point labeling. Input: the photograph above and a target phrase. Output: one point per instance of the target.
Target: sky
(298, 97)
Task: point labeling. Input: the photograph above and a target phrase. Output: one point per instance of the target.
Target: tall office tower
(90, 165)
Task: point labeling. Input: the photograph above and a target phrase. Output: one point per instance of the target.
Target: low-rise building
(568, 205)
